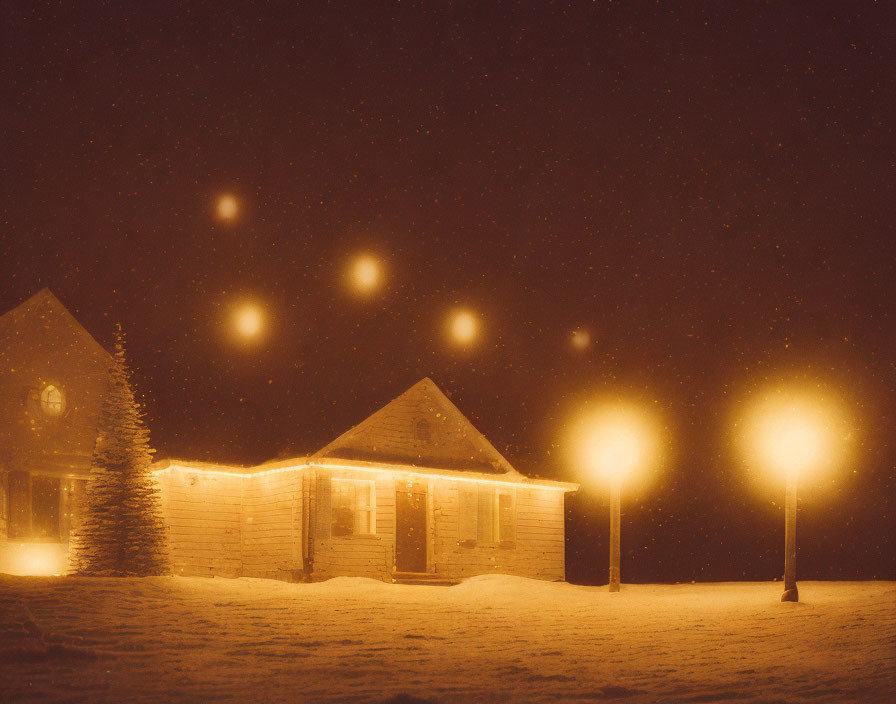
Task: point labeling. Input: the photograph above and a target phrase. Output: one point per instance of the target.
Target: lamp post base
(791, 595)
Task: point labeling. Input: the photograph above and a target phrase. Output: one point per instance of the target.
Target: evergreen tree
(122, 533)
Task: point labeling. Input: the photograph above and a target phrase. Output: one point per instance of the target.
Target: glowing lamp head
(614, 451)
(791, 438)
(365, 274)
(794, 431)
(615, 442)
(247, 321)
(227, 207)
(464, 327)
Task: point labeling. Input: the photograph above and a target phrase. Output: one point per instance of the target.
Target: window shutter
(506, 517)
(322, 499)
(467, 508)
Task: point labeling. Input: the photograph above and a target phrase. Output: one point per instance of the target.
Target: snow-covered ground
(492, 638)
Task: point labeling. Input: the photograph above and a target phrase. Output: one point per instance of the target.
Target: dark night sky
(707, 189)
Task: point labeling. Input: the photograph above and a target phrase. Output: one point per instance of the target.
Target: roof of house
(420, 428)
(420, 432)
(43, 305)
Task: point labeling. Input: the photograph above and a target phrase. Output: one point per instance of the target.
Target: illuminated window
(51, 401)
(353, 507)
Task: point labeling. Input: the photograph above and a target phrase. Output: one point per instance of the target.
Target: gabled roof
(44, 305)
(420, 428)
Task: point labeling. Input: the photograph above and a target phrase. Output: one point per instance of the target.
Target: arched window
(423, 431)
(52, 401)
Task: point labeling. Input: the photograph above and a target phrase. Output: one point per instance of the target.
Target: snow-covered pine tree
(122, 533)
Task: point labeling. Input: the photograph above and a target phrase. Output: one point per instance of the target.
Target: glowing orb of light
(365, 274)
(581, 339)
(790, 435)
(614, 441)
(227, 207)
(794, 430)
(463, 326)
(248, 320)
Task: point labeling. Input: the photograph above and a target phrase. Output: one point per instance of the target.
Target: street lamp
(614, 442)
(792, 435)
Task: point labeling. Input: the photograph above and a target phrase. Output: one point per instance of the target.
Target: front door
(410, 527)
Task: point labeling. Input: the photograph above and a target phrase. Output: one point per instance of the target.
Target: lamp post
(614, 443)
(791, 439)
(791, 593)
(615, 512)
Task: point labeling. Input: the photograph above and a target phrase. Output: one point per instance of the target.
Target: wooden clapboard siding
(203, 513)
(537, 550)
(272, 525)
(259, 526)
(233, 526)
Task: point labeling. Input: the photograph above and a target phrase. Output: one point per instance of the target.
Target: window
(506, 522)
(486, 515)
(423, 431)
(352, 507)
(45, 507)
(485, 532)
(51, 401)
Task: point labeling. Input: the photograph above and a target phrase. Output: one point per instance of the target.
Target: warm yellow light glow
(614, 441)
(581, 339)
(793, 433)
(248, 319)
(464, 327)
(365, 274)
(52, 401)
(383, 471)
(41, 559)
(227, 207)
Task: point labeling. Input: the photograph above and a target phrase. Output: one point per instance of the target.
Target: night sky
(706, 189)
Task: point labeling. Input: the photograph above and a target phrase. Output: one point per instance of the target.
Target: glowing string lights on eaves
(374, 470)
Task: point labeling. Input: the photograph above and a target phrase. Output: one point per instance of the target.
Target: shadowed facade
(53, 377)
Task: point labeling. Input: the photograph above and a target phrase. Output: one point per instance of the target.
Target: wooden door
(410, 527)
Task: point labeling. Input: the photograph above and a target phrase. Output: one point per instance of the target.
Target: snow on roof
(44, 305)
(421, 432)
(420, 428)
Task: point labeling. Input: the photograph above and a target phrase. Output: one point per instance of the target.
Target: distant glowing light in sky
(248, 319)
(581, 339)
(464, 327)
(366, 274)
(227, 207)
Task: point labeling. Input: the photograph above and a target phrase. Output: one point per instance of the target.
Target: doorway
(410, 527)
